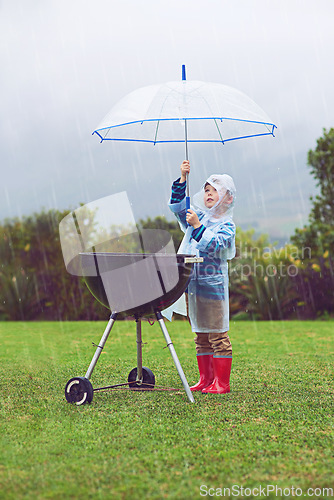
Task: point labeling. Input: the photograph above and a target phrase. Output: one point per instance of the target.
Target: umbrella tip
(183, 72)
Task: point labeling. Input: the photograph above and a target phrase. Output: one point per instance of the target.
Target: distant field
(274, 428)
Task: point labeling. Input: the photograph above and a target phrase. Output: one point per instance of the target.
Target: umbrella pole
(187, 175)
(184, 78)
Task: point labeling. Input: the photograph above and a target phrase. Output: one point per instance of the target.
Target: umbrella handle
(187, 192)
(187, 206)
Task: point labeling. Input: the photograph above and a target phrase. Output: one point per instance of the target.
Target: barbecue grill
(139, 284)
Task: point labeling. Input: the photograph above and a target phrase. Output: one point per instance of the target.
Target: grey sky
(65, 64)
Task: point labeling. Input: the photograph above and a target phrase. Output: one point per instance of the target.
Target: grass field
(275, 427)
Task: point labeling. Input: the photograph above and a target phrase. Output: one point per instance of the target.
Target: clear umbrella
(185, 112)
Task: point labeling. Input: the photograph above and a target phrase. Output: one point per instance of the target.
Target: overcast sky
(64, 64)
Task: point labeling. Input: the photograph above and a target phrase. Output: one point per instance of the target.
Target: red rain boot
(222, 371)
(205, 367)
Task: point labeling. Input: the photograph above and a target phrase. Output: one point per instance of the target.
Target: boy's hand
(192, 219)
(185, 169)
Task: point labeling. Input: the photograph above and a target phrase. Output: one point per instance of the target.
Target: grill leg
(139, 352)
(174, 356)
(101, 345)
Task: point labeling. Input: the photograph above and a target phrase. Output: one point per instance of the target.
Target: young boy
(209, 233)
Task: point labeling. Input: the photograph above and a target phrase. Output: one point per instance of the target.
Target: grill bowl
(136, 284)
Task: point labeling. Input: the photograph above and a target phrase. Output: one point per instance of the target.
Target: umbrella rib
(156, 132)
(267, 127)
(219, 130)
(107, 132)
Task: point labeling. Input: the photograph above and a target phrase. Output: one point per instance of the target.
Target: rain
(89, 231)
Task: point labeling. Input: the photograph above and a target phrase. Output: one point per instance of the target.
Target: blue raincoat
(214, 241)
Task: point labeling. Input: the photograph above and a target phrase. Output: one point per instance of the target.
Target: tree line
(266, 282)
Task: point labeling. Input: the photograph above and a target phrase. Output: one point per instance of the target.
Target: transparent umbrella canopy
(185, 112)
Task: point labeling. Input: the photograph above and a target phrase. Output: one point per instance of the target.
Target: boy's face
(211, 196)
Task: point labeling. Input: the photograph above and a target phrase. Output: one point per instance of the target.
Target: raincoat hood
(223, 209)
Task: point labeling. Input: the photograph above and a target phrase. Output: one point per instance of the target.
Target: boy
(209, 233)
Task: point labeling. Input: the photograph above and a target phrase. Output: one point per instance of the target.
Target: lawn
(274, 430)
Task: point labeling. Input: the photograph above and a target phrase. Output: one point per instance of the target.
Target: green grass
(274, 428)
